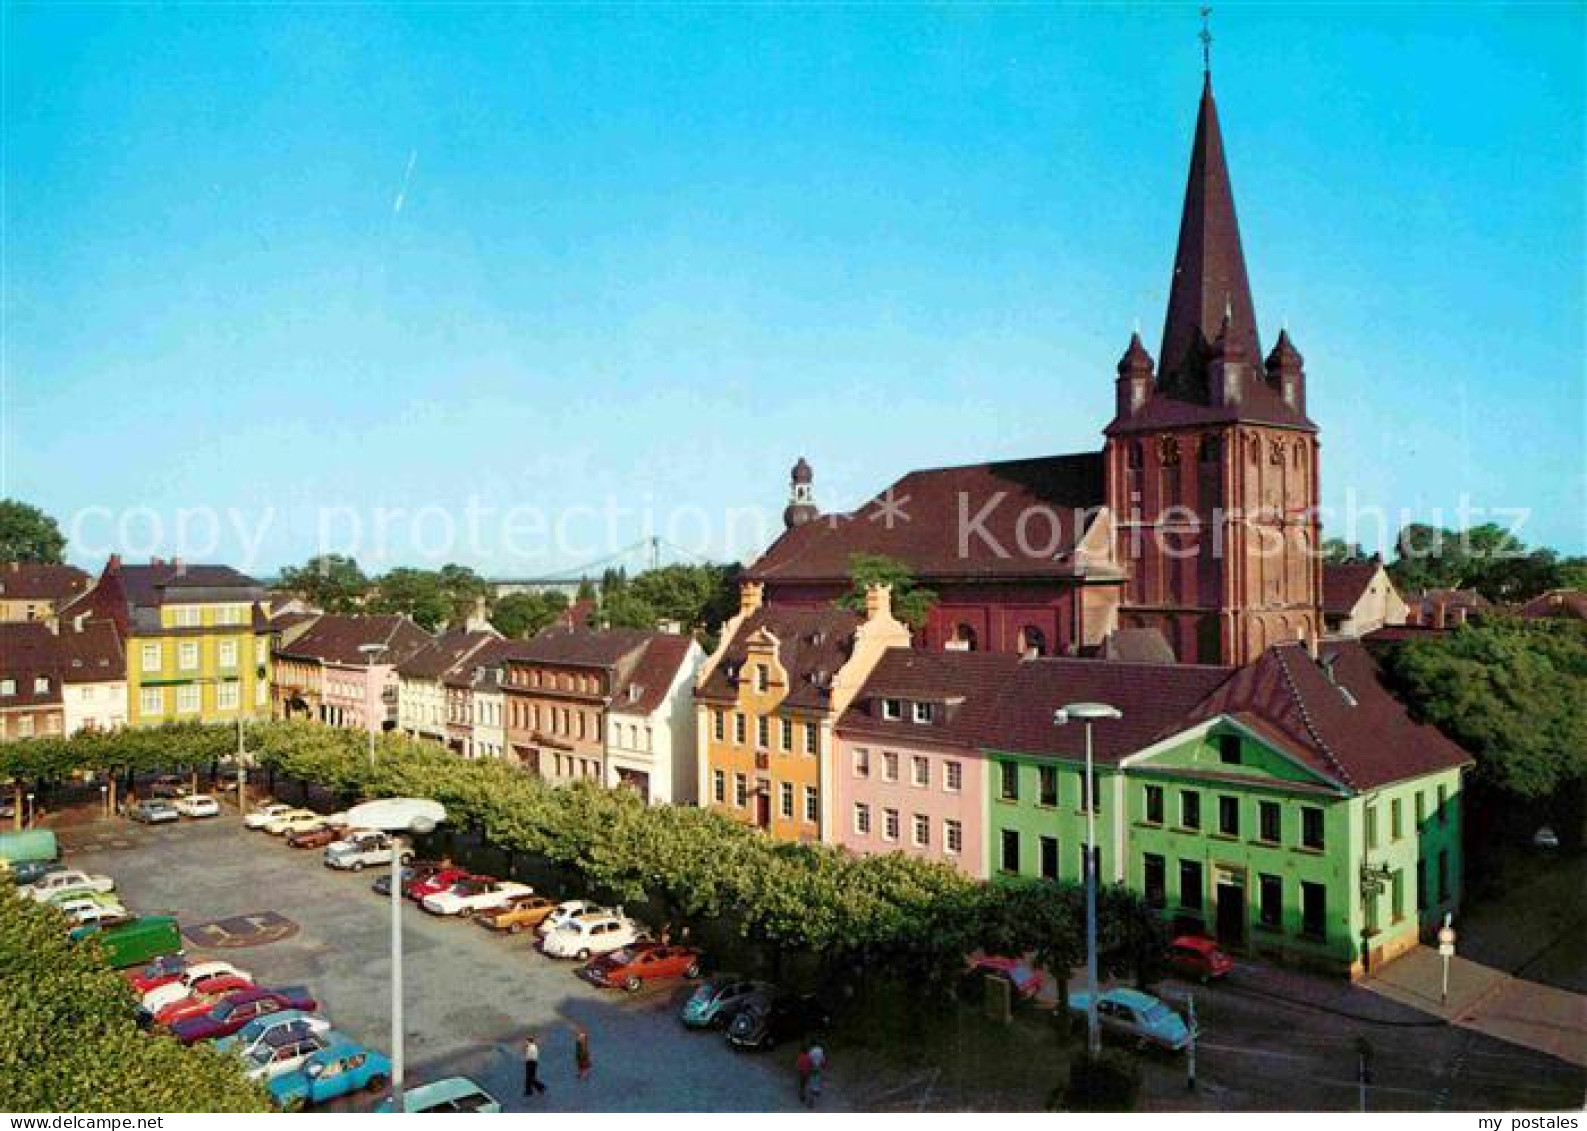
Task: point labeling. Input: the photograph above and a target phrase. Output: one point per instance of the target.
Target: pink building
(908, 775)
(356, 659)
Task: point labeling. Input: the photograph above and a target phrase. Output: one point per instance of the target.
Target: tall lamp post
(371, 653)
(393, 816)
(1089, 713)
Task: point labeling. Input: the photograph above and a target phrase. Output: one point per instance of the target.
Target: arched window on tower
(962, 640)
(1032, 641)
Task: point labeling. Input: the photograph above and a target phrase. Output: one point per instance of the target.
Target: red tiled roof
(1347, 728)
(579, 647)
(446, 651)
(813, 644)
(1344, 583)
(920, 519)
(646, 686)
(970, 684)
(1152, 697)
(1138, 646)
(38, 581)
(337, 639)
(30, 650)
(93, 653)
(1571, 603)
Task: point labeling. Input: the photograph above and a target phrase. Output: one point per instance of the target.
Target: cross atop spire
(1206, 42)
(1210, 287)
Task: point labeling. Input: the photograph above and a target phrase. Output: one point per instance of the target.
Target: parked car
(237, 1010)
(454, 1094)
(766, 1020)
(170, 786)
(520, 913)
(26, 872)
(422, 886)
(200, 977)
(1545, 838)
(317, 837)
(567, 911)
(477, 893)
(1027, 980)
(365, 848)
(260, 1028)
(261, 815)
(718, 999)
(633, 966)
(589, 935)
(382, 884)
(162, 971)
(282, 1051)
(198, 805)
(135, 942)
(340, 1069)
(295, 821)
(93, 908)
(1133, 1016)
(195, 1003)
(1192, 956)
(154, 811)
(68, 880)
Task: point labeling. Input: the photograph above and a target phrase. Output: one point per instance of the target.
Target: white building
(650, 731)
(423, 709)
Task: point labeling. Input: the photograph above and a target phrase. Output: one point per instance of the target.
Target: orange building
(767, 702)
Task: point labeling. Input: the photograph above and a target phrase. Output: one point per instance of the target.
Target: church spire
(1210, 285)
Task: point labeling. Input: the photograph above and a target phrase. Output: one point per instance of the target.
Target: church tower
(1211, 461)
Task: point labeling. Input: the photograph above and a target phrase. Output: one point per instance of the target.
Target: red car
(161, 972)
(205, 994)
(436, 881)
(239, 1008)
(317, 838)
(1026, 979)
(634, 965)
(1191, 956)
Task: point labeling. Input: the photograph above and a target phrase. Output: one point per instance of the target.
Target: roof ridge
(1306, 720)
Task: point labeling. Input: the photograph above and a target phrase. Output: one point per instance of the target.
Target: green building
(1290, 808)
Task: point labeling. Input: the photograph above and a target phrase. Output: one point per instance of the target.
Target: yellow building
(767, 702)
(197, 643)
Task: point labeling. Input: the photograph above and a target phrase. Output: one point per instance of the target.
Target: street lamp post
(371, 652)
(394, 816)
(1090, 713)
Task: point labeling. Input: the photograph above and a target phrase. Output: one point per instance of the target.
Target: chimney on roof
(750, 596)
(179, 565)
(114, 564)
(156, 561)
(878, 602)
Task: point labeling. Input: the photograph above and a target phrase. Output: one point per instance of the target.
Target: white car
(82, 909)
(567, 911)
(364, 848)
(294, 821)
(468, 897)
(173, 992)
(281, 1053)
(59, 883)
(197, 805)
(589, 935)
(262, 815)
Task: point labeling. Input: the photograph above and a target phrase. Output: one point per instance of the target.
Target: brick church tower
(1211, 461)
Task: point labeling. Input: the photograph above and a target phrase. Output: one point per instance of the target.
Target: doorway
(1231, 914)
(762, 810)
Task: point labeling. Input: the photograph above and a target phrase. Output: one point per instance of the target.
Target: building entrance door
(1231, 915)
(763, 810)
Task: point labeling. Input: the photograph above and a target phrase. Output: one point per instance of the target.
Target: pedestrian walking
(803, 1065)
(818, 1067)
(532, 1085)
(581, 1052)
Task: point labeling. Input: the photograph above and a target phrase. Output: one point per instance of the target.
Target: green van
(29, 845)
(135, 943)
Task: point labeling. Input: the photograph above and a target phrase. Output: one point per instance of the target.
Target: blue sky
(653, 255)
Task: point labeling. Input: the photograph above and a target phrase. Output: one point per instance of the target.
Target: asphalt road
(471, 995)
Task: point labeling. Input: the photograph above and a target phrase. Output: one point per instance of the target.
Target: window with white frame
(862, 818)
(226, 697)
(227, 653)
(890, 825)
(260, 650)
(740, 790)
(785, 799)
(41, 685)
(8, 687)
(922, 831)
(924, 712)
(188, 699)
(24, 726)
(812, 805)
(892, 709)
(151, 657)
(952, 775)
(953, 836)
(187, 655)
(151, 701)
(812, 745)
(787, 735)
(186, 616)
(889, 766)
(922, 771)
(862, 762)
(719, 785)
(763, 733)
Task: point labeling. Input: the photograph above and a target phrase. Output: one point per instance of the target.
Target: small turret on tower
(801, 496)
(1134, 385)
(1286, 372)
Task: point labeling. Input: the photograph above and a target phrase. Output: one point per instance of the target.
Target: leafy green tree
(521, 615)
(1487, 558)
(586, 590)
(332, 582)
(70, 1041)
(463, 588)
(696, 596)
(1337, 550)
(27, 534)
(623, 608)
(911, 603)
(418, 593)
(1572, 574)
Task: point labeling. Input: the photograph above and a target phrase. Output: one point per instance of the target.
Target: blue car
(261, 1027)
(454, 1094)
(1133, 1016)
(340, 1069)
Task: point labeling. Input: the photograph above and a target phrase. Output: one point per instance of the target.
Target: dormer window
(41, 685)
(925, 712)
(892, 709)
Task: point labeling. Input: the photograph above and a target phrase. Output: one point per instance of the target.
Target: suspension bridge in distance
(645, 554)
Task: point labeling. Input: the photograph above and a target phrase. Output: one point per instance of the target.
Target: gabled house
(36, 590)
(341, 670)
(58, 679)
(650, 725)
(423, 707)
(1360, 597)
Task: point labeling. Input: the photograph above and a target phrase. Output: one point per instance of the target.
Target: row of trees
(1487, 558)
(890, 914)
(69, 1041)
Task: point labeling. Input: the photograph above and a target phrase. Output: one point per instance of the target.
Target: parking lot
(471, 995)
